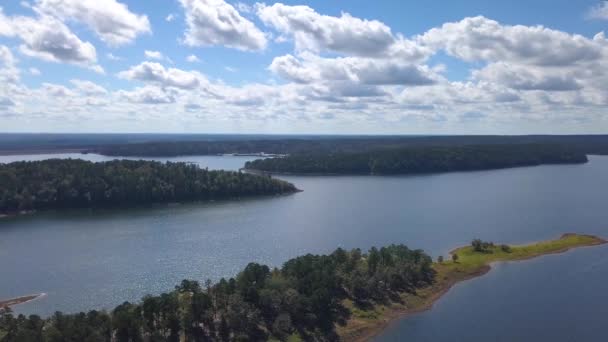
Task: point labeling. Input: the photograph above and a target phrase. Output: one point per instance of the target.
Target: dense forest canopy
(422, 159)
(587, 144)
(74, 183)
(304, 300)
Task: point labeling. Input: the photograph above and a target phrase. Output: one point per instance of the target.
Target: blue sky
(456, 67)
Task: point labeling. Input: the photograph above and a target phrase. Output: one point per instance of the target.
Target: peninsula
(74, 183)
(419, 159)
(464, 263)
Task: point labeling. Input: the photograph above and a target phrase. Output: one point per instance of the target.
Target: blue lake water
(99, 258)
(552, 298)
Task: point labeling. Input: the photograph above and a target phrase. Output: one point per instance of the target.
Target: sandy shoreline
(363, 330)
(399, 312)
(21, 300)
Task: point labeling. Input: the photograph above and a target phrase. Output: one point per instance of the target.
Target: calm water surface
(212, 162)
(99, 258)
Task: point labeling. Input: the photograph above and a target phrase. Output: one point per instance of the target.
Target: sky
(304, 67)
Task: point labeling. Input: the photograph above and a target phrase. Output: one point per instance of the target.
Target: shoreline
(22, 213)
(17, 214)
(361, 329)
(312, 174)
(39, 151)
(21, 300)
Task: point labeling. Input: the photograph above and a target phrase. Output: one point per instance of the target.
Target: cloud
(314, 32)
(89, 88)
(156, 73)
(193, 59)
(5, 103)
(148, 95)
(111, 20)
(9, 73)
(49, 39)
(482, 39)
(34, 71)
(564, 68)
(342, 91)
(112, 57)
(170, 17)
(6, 56)
(599, 11)
(192, 107)
(311, 68)
(472, 116)
(244, 8)
(57, 90)
(153, 54)
(252, 95)
(356, 73)
(216, 22)
(522, 78)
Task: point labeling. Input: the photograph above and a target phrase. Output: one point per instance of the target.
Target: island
(75, 183)
(416, 160)
(345, 295)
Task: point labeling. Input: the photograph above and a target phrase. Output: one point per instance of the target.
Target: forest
(74, 183)
(587, 144)
(423, 159)
(303, 300)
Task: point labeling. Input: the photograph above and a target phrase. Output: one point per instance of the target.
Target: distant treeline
(73, 183)
(421, 159)
(588, 144)
(304, 300)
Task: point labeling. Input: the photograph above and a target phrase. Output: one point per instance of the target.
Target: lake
(87, 259)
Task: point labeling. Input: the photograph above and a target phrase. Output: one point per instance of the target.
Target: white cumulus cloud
(49, 39)
(310, 68)
(88, 87)
(111, 20)
(148, 95)
(315, 32)
(153, 54)
(157, 73)
(216, 22)
(482, 39)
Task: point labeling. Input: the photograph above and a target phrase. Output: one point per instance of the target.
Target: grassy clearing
(470, 261)
(365, 324)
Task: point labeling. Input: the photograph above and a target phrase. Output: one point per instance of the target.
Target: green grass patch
(470, 259)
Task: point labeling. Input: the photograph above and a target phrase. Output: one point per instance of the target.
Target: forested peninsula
(423, 159)
(346, 295)
(74, 183)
